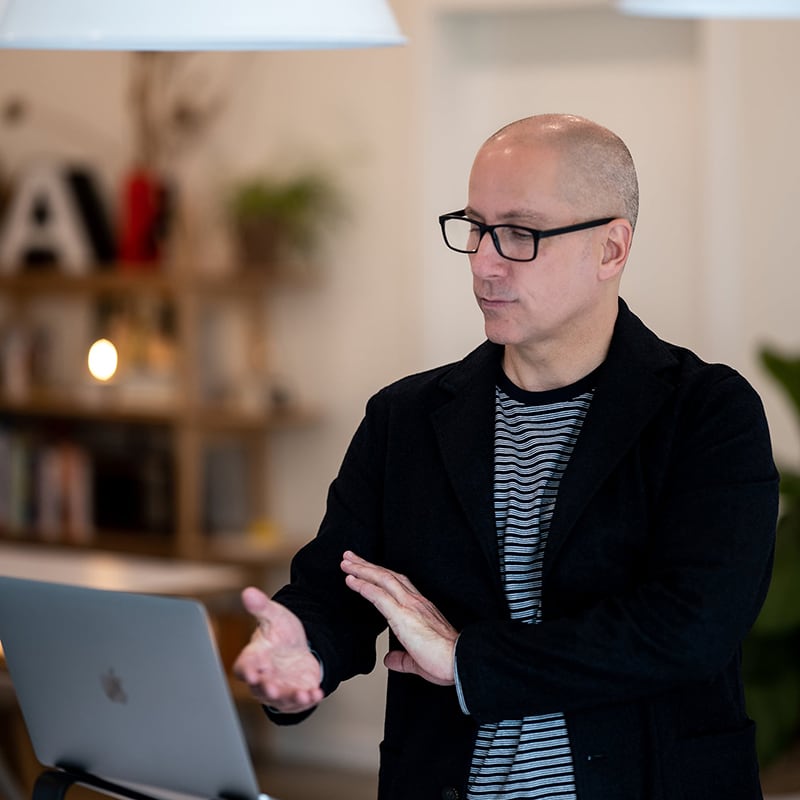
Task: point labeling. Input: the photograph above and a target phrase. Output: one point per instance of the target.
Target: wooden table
(119, 571)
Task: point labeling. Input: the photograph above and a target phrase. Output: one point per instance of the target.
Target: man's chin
(498, 334)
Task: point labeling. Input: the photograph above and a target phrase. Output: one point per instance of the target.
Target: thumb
(401, 661)
(255, 601)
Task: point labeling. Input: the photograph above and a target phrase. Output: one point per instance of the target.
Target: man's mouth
(493, 302)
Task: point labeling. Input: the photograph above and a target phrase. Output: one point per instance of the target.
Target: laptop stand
(53, 784)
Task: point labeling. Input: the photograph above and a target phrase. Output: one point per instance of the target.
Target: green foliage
(774, 707)
(785, 370)
(771, 654)
(280, 219)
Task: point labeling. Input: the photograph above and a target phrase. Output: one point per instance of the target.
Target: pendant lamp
(712, 9)
(196, 24)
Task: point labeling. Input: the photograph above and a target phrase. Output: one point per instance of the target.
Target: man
(569, 532)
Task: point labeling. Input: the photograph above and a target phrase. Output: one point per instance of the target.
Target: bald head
(596, 171)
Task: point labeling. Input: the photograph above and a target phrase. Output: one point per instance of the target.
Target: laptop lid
(126, 687)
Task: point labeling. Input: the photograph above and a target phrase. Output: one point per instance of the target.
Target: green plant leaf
(781, 611)
(775, 707)
(771, 652)
(790, 488)
(786, 371)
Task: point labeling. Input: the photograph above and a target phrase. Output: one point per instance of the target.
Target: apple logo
(112, 686)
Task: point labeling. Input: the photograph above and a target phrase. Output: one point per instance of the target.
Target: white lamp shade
(711, 9)
(196, 24)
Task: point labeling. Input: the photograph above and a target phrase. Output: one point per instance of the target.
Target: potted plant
(771, 657)
(279, 223)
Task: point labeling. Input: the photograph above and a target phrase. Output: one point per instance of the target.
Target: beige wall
(708, 109)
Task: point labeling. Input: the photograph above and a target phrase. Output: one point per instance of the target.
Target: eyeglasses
(514, 242)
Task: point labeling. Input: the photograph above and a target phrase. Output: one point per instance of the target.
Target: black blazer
(657, 562)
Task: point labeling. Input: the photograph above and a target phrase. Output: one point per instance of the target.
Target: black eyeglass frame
(535, 233)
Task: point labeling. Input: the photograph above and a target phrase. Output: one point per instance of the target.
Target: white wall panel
(638, 77)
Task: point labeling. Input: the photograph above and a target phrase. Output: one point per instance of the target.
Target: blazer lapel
(631, 388)
(464, 427)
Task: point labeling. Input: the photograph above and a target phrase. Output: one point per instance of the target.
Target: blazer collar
(632, 385)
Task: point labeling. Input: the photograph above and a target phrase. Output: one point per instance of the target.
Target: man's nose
(487, 261)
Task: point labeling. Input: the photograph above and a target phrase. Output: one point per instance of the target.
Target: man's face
(541, 302)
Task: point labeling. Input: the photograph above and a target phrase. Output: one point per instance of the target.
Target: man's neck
(551, 365)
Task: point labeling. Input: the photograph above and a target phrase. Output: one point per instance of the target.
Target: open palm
(277, 663)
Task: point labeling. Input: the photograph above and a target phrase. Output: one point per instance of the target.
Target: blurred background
(129, 186)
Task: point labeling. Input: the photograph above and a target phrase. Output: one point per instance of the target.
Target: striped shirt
(535, 433)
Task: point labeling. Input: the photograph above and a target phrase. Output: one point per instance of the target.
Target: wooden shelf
(135, 278)
(235, 549)
(176, 412)
(55, 405)
(49, 282)
(68, 406)
(111, 541)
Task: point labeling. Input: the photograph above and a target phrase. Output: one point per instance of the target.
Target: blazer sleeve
(340, 625)
(703, 578)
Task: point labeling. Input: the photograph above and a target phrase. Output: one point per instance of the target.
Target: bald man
(568, 533)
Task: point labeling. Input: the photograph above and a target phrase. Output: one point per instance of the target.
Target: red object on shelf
(143, 220)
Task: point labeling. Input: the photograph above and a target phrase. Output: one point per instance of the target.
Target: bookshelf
(167, 458)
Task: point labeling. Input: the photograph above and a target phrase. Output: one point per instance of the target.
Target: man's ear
(616, 248)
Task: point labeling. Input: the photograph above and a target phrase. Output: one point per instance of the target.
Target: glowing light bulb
(102, 359)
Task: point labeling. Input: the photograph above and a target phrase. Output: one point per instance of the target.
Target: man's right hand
(277, 664)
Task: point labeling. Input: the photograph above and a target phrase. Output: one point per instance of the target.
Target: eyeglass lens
(510, 241)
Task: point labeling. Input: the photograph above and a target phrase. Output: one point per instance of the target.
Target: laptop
(125, 688)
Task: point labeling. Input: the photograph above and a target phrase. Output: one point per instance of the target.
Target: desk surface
(120, 572)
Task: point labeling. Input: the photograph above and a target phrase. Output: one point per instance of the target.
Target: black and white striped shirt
(535, 433)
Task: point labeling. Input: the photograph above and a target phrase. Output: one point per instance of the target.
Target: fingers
(392, 594)
(286, 687)
(286, 702)
(355, 565)
(247, 666)
(293, 702)
(365, 578)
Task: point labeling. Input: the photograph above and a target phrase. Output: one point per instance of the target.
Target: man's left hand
(429, 639)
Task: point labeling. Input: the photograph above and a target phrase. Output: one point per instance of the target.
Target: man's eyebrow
(521, 216)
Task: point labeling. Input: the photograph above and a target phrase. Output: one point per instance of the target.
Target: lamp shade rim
(711, 9)
(196, 24)
(197, 44)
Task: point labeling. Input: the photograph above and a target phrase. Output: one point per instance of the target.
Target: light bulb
(102, 360)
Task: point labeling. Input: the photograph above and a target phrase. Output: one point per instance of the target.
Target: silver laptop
(128, 688)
